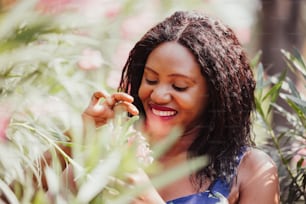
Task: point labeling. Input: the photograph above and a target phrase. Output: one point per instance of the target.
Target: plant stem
(50, 141)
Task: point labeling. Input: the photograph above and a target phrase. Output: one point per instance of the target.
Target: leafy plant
(285, 144)
(50, 64)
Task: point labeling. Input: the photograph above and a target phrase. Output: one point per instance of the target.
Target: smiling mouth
(163, 113)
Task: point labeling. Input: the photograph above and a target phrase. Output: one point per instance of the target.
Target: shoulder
(253, 159)
(257, 175)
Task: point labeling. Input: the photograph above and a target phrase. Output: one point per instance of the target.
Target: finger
(101, 120)
(138, 200)
(133, 179)
(118, 97)
(121, 96)
(127, 106)
(139, 176)
(102, 111)
(98, 95)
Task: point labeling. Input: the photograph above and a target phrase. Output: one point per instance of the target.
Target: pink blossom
(90, 59)
(97, 9)
(299, 155)
(131, 140)
(5, 116)
(243, 34)
(144, 154)
(121, 54)
(118, 60)
(53, 6)
(112, 10)
(4, 122)
(136, 25)
(143, 151)
(113, 78)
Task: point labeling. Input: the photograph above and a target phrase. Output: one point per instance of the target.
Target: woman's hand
(102, 106)
(150, 194)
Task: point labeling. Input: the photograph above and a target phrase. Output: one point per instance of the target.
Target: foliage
(51, 61)
(286, 144)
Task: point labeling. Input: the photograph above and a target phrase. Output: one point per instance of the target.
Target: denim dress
(216, 193)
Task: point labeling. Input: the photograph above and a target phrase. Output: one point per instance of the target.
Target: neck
(179, 150)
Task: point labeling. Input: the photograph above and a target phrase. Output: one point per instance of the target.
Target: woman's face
(173, 91)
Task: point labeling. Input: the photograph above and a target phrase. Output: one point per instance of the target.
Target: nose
(161, 94)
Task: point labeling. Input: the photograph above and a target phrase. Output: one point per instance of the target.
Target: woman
(190, 71)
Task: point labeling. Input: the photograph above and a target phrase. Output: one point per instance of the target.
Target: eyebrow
(172, 75)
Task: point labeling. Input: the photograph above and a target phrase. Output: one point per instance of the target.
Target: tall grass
(52, 60)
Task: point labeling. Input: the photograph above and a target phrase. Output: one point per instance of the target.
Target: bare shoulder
(257, 175)
(255, 158)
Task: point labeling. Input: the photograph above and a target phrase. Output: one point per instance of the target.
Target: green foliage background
(44, 89)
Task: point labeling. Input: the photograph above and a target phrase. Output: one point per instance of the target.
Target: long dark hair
(225, 128)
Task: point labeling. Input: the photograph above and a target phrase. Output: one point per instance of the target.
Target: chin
(158, 132)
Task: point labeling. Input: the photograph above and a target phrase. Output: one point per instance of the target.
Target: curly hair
(225, 127)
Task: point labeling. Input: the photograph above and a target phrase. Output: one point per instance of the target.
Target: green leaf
(281, 136)
(298, 101)
(256, 60)
(293, 89)
(8, 193)
(295, 62)
(99, 177)
(162, 146)
(13, 17)
(301, 112)
(162, 180)
(40, 197)
(260, 82)
(273, 93)
(179, 171)
(259, 108)
(299, 163)
(300, 58)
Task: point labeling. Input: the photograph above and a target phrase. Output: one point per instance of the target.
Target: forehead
(172, 57)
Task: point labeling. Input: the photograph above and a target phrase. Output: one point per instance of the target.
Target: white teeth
(163, 113)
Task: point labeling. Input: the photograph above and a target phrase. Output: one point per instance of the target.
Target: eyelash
(151, 82)
(180, 89)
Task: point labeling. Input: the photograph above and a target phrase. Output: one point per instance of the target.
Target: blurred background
(55, 53)
(261, 25)
(265, 26)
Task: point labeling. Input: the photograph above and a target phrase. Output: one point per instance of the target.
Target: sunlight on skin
(262, 170)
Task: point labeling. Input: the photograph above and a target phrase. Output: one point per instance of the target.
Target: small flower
(53, 6)
(5, 117)
(143, 151)
(136, 25)
(4, 122)
(144, 154)
(112, 10)
(90, 59)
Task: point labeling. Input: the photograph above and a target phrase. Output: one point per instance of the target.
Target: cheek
(143, 92)
(193, 103)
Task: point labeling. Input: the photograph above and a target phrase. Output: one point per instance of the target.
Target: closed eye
(177, 88)
(151, 82)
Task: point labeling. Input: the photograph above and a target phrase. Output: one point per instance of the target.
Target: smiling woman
(173, 91)
(190, 71)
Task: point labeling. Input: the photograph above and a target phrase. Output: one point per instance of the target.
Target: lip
(162, 111)
(161, 108)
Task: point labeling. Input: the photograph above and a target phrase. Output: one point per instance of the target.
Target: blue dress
(216, 192)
